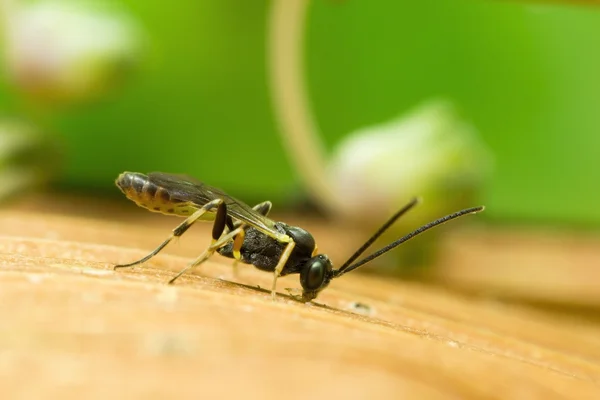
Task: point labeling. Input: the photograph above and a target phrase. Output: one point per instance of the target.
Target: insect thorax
(264, 252)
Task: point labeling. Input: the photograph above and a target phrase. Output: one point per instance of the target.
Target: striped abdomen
(145, 193)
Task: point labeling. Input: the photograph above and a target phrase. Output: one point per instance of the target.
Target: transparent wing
(189, 189)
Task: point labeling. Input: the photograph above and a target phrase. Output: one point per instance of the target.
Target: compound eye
(315, 276)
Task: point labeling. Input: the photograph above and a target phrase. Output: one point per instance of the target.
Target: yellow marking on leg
(208, 252)
(178, 231)
(237, 244)
(238, 241)
(282, 261)
(315, 251)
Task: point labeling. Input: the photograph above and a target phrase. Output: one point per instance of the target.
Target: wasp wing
(188, 189)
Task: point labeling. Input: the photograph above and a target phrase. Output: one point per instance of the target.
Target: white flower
(430, 152)
(65, 50)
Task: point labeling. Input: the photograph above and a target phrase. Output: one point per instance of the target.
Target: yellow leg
(238, 242)
(208, 252)
(282, 261)
(237, 246)
(235, 269)
(178, 231)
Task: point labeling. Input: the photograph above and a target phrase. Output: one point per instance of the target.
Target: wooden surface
(73, 328)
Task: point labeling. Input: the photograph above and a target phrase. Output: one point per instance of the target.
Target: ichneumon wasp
(247, 235)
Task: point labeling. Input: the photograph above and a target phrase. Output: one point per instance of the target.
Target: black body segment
(264, 253)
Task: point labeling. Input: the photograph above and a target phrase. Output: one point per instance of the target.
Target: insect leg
(238, 241)
(263, 208)
(208, 252)
(282, 261)
(178, 231)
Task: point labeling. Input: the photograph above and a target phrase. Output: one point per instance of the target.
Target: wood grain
(71, 327)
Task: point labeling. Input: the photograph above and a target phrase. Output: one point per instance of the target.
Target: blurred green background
(527, 76)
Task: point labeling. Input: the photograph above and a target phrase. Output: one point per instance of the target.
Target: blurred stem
(298, 130)
(6, 8)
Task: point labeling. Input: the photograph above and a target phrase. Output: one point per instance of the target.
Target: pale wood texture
(73, 328)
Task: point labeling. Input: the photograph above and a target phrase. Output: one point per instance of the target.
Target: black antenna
(343, 270)
(379, 232)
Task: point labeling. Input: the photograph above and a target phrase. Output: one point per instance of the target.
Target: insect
(246, 234)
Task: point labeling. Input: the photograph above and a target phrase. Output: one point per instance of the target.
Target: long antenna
(403, 239)
(379, 232)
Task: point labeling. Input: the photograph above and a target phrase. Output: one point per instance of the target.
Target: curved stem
(298, 130)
